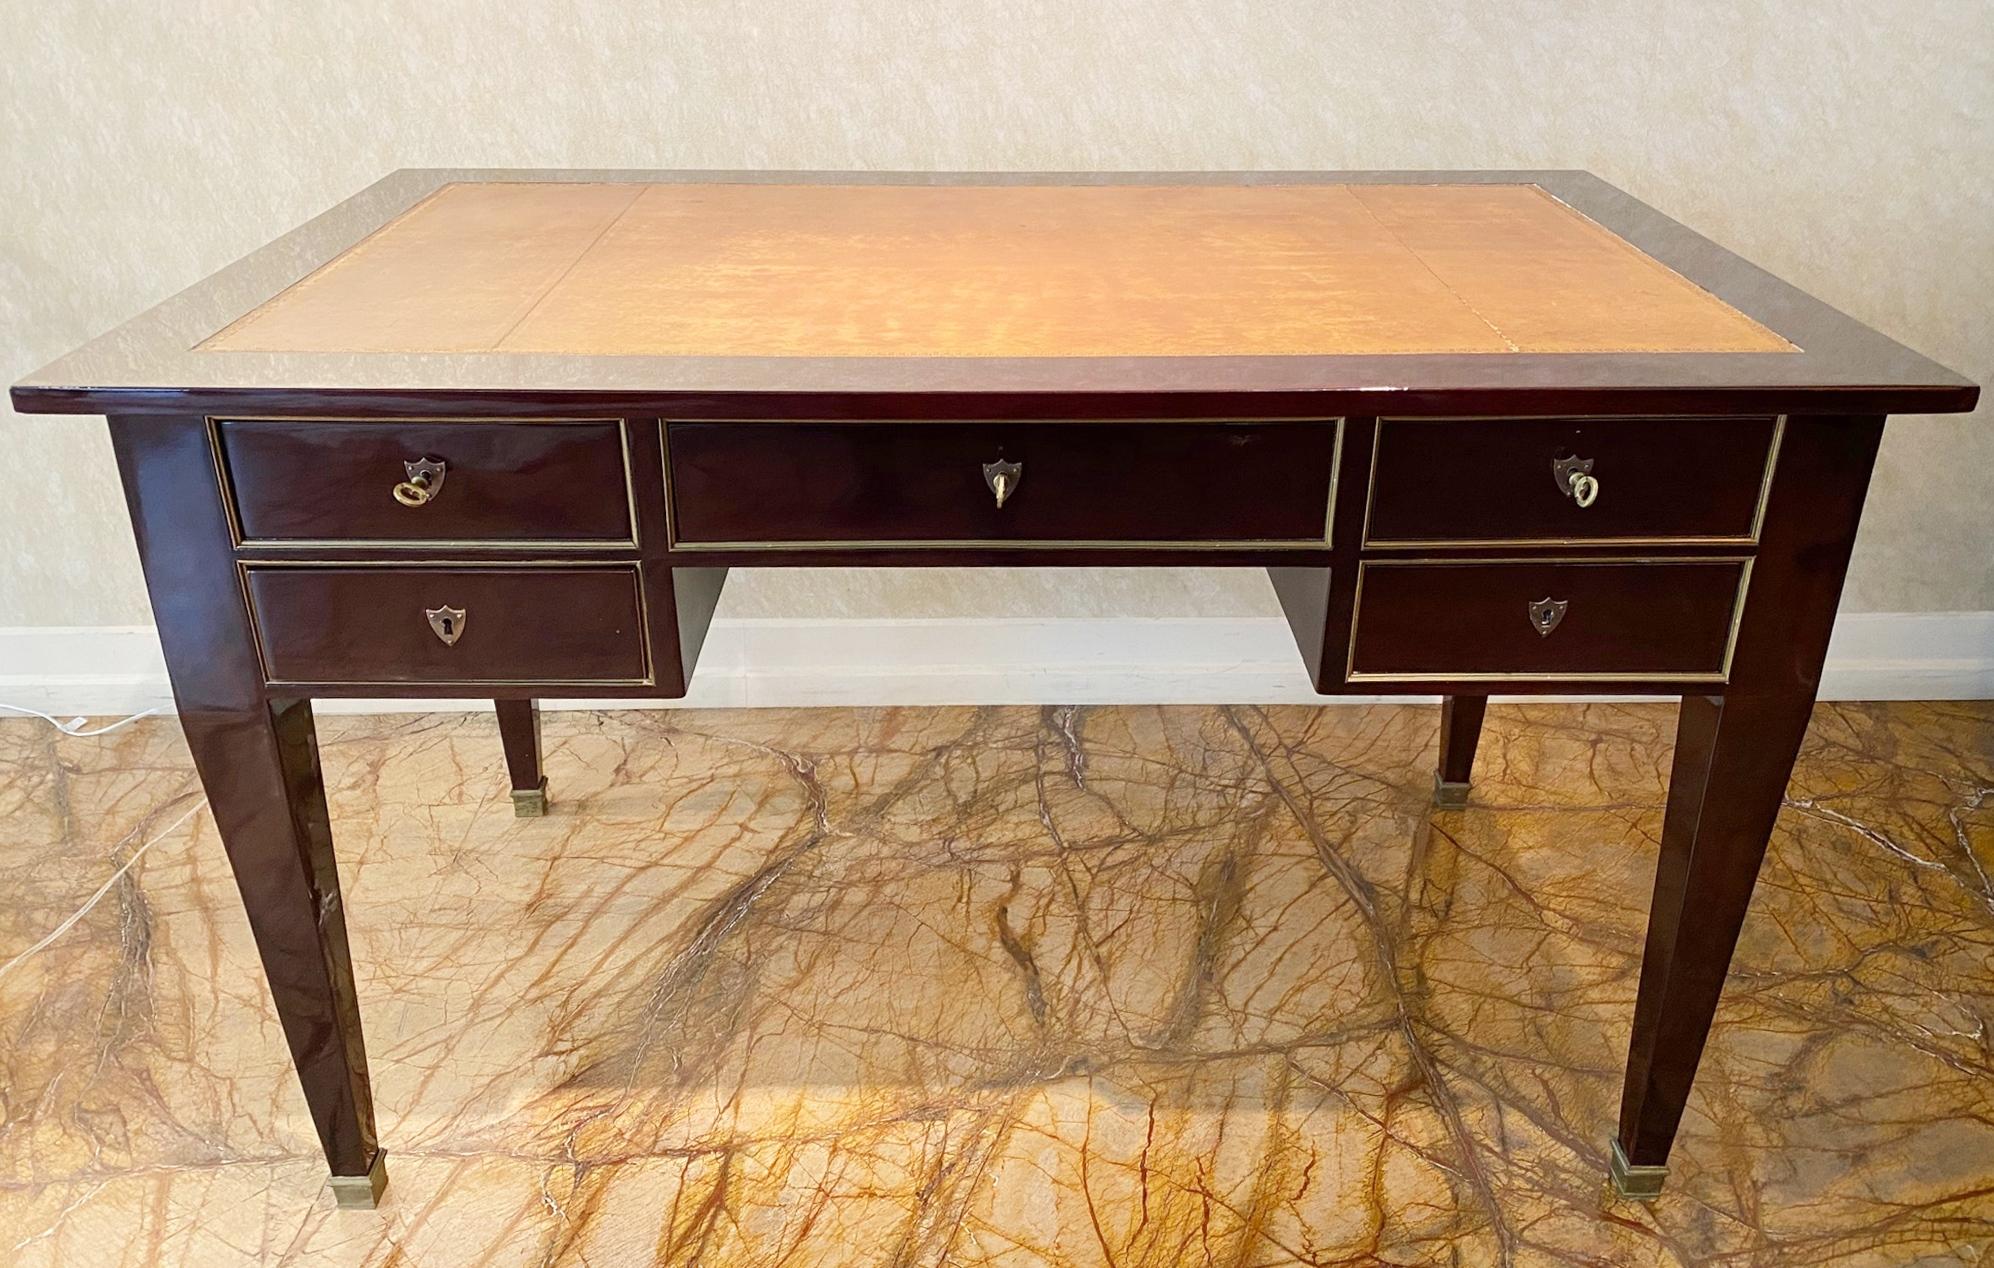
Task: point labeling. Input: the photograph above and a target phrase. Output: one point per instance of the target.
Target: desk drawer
(510, 625)
(1468, 481)
(760, 483)
(338, 481)
(1468, 620)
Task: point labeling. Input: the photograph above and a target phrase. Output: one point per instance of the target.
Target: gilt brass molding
(1718, 676)
(226, 481)
(977, 543)
(1562, 543)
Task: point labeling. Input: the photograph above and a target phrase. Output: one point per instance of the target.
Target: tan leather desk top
(719, 270)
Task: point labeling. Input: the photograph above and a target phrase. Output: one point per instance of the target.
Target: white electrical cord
(105, 888)
(74, 727)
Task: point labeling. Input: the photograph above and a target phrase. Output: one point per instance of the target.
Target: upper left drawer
(393, 483)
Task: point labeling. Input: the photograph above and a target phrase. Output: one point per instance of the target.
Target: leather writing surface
(779, 270)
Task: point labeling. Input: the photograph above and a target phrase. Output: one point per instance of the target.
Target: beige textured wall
(1846, 144)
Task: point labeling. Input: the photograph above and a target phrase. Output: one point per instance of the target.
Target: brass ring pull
(425, 481)
(1575, 479)
(1003, 477)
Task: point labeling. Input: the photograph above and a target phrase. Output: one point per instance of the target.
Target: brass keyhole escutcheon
(425, 481)
(1003, 477)
(1575, 479)
(1545, 614)
(446, 623)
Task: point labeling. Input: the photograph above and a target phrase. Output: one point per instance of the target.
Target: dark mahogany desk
(501, 434)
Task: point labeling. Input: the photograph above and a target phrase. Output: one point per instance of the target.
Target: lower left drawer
(318, 624)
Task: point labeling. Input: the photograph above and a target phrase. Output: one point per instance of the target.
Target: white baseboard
(91, 670)
(103, 670)
(1910, 656)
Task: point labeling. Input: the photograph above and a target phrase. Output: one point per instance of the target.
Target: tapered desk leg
(260, 769)
(257, 757)
(1732, 761)
(519, 732)
(1460, 731)
(1734, 754)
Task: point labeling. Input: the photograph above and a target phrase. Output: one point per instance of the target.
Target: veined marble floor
(1117, 986)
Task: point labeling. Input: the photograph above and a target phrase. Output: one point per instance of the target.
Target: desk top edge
(149, 365)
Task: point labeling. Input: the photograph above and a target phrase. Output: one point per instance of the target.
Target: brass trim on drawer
(672, 542)
(1721, 675)
(635, 567)
(1574, 543)
(242, 543)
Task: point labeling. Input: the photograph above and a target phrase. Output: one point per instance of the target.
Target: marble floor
(1116, 986)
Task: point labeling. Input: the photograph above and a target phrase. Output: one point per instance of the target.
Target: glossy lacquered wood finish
(515, 625)
(1460, 734)
(813, 459)
(1733, 757)
(258, 762)
(1461, 619)
(1425, 624)
(764, 484)
(532, 481)
(1456, 624)
(1318, 601)
(519, 733)
(679, 602)
(1493, 481)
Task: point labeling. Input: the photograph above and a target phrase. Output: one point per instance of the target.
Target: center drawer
(412, 483)
(448, 624)
(747, 484)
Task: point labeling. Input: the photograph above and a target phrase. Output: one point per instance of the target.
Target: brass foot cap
(362, 1193)
(1642, 1184)
(530, 803)
(1449, 796)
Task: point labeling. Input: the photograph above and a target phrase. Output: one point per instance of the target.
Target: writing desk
(501, 434)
